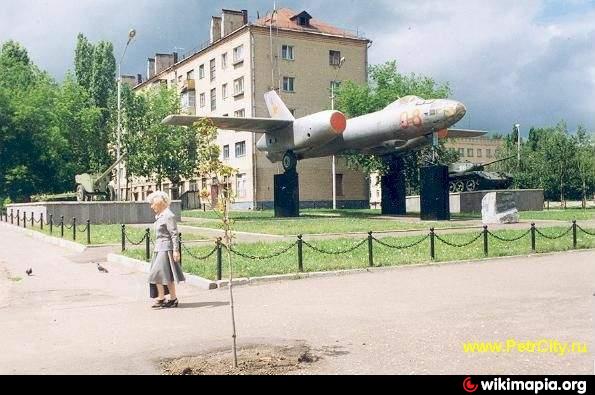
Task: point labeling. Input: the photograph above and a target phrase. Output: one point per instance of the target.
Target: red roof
(283, 21)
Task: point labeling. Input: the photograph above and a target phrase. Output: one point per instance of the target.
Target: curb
(143, 267)
(71, 245)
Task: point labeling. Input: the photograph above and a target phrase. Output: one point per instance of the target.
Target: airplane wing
(465, 133)
(256, 125)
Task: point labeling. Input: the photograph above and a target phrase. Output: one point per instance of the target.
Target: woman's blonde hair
(159, 195)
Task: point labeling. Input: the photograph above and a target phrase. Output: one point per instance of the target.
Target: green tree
(83, 62)
(386, 86)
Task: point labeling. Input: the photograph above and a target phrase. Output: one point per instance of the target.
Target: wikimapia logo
(535, 386)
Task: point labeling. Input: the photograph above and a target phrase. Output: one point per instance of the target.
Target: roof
(285, 19)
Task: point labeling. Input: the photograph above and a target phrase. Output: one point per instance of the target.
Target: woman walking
(165, 269)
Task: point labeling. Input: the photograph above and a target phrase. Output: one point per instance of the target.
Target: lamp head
(131, 35)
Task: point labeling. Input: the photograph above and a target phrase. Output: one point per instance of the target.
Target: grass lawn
(383, 256)
(316, 221)
(105, 234)
(569, 214)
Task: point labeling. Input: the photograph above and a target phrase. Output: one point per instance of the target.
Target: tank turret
(467, 177)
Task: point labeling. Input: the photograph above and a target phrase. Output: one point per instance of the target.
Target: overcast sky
(525, 61)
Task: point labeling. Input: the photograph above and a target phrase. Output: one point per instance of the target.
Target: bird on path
(101, 268)
(29, 271)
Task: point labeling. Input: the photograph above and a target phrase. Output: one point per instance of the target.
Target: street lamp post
(518, 133)
(131, 35)
(341, 61)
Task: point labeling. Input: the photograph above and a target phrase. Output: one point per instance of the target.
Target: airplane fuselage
(407, 123)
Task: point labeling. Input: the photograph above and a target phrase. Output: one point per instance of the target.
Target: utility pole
(341, 61)
(517, 127)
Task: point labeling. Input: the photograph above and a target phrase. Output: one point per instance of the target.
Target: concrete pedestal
(394, 201)
(287, 195)
(434, 196)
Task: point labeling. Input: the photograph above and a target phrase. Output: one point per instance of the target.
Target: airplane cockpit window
(409, 99)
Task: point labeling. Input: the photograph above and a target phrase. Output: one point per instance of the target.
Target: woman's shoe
(171, 303)
(159, 304)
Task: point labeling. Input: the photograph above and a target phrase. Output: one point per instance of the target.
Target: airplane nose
(460, 110)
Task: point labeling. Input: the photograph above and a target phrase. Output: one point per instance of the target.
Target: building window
(288, 84)
(479, 153)
(202, 100)
(238, 86)
(179, 78)
(462, 152)
(238, 54)
(224, 61)
(213, 67)
(334, 58)
(224, 91)
(339, 183)
(470, 152)
(201, 71)
(225, 152)
(213, 99)
(240, 113)
(287, 52)
(240, 149)
(193, 186)
(204, 183)
(241, 185)
(335, 85)
(190, 75)
(167, 189)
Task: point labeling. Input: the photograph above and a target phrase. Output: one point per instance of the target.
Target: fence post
(370, 249)
(219, 260)
(432, 250)
(180, 246)
(88, 231)
(24, 219)
(485, 240)
(300, 251)
(41, 220)
(533, 237)
(123, 237)
(51, 223)
(61, 226)
(73, 228)
(147, 244)
(574, 234)
(18, 217)
(32, 220)
(11, 217)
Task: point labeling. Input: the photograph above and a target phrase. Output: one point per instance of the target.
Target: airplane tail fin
(277, 109)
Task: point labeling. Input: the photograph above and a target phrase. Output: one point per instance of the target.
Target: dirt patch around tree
(252, 360)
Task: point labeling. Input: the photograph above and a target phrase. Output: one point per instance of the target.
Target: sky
(530, 62)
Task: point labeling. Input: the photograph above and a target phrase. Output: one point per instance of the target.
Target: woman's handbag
(153, 291)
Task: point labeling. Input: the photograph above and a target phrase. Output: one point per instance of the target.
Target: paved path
(69, 318)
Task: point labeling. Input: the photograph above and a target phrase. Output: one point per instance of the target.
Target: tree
(83, 62)
(387, 85)
(585, 159)
(156, 150)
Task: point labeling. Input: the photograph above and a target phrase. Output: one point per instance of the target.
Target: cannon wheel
(111, 193)
(81, 194)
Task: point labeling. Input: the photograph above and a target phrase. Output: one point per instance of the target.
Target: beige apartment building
(293, 53)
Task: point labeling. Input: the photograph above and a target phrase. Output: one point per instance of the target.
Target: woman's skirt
(164, 270)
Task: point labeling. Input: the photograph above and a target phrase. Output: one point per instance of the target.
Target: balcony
(188, 85)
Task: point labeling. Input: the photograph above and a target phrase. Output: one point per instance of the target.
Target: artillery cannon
(98, 184)
(466, 177)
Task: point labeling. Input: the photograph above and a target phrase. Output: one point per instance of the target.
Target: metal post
(300, 246)
(180, 246)
(88, 231)
(148, 244)
(41, 220)
(485, 240)
(370, 251)
(123, 237)
(18, 217)
(32, 220)
(574, 234)
(61, 226)
(24, 219)
(219, 260)
(533, 237)
(51, 223)
(11, 217)
(73, 228)
(432, 251)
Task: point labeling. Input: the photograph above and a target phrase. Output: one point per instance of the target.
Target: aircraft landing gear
(289, 161)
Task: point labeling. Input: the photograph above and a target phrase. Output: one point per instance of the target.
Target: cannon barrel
(112, 167)
(481, 167)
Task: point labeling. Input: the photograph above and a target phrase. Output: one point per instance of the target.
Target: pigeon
(101, 268)
(29, 271)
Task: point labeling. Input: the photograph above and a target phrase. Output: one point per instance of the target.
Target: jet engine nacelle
(317, 129)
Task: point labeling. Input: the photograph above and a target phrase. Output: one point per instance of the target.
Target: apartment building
(293, 53)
